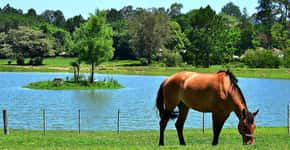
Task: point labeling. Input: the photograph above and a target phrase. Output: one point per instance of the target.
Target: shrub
(36, 61)
(172, 59)
(58, 82)
(20, 60)
(9, 62)
(261, 58)
(144, 61)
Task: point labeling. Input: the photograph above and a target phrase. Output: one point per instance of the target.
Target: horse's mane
(234, 82)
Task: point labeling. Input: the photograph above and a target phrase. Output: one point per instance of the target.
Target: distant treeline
(200, 37)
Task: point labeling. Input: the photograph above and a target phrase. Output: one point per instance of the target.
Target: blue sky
(71, 8)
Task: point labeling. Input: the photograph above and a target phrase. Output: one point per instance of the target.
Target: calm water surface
(136, 103)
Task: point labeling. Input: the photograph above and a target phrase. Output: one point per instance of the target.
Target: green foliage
(261, 58)
(60, 84)
(20, 60)
(172, 59)
(57, 82)
(205, 31)
(36, 61)
(176, 39)
(6, 51)
(287, 57)
(28, 42)
(54, 17)
(93, 41)
(73, 23)
(149, 31)
(232, 10)
(175, 10)
(62, 40)
(280, 36)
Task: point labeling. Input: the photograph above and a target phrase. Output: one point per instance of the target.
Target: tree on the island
(76, 67)
(93, 41)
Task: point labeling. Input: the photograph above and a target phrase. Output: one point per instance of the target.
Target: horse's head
(247, 126)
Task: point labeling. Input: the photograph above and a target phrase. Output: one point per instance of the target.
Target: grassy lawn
(60, 64)
(265, 138)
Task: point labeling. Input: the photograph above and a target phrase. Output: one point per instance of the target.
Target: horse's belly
(200, 102)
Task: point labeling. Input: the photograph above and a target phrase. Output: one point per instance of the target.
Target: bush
(287, 57)
(9, 62)
(36, 61)
(172, 59)
(58, 82)
(261, 58)
(20, 60)
(144, 61)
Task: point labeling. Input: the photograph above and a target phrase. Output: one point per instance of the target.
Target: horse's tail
(160, 104)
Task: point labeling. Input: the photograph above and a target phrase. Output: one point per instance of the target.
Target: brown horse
(217, 93)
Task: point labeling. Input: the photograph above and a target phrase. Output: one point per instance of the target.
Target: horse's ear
(255, 113)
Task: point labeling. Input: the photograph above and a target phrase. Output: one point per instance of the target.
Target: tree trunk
(92, 73)
(78, 73)
(75, 75)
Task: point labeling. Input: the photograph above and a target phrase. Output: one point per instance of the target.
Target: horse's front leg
(219, 119)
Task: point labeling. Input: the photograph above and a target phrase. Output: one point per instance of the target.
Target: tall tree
(280, 36)
(247, 34)
(73, 23)
(265, 18)
(281, 11)
(203, 34)
(54, 17)
(232, 10)
(93, 41)
(175, 10)
(149, 31)
(31, 12)
(176, 38)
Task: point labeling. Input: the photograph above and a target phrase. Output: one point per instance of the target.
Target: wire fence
(77, 121)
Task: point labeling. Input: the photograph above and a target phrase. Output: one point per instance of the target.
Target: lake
(136, 103)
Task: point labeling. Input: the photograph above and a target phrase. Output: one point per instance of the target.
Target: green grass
(68, 85)
(60, 64)
(265, 138)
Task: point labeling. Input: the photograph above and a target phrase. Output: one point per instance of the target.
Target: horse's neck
(239, 110)
(239, 105)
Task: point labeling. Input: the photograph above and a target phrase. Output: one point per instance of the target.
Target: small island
(61, 84)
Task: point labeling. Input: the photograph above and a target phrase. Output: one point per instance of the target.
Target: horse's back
(196, 90)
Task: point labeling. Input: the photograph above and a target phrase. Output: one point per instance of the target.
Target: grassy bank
(133, 67)
(265, 138)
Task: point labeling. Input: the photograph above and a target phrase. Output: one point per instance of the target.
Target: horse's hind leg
(163, 123)
(183, 111)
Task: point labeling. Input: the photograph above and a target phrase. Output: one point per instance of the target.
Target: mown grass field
(133, 67)
(265, 138)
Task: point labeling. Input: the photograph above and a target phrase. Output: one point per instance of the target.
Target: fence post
(118, 122)
(203, 122)
(288, 118)
(5, 122)
(44, 121)
(79, 121)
